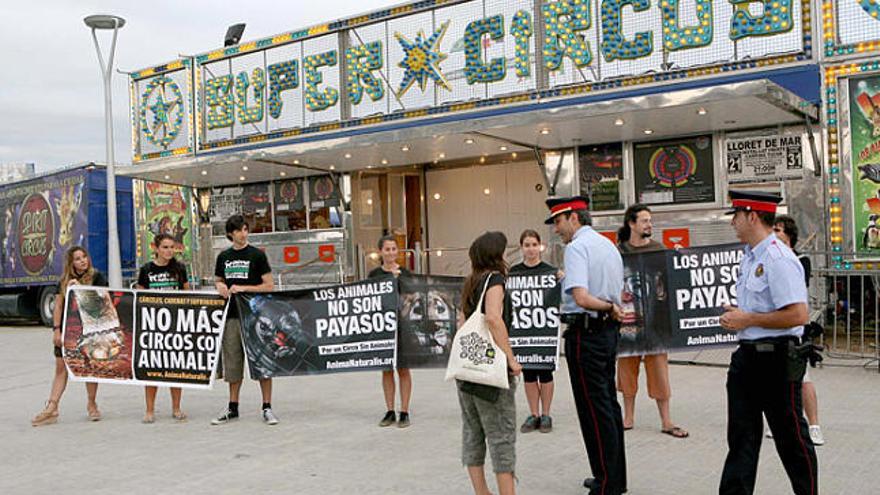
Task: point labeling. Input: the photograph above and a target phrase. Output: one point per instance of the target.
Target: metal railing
(846, 304)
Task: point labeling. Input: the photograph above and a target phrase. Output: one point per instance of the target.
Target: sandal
(148, 419)
(48, 415)
(676, 432)
(179, 415)
(94, 413)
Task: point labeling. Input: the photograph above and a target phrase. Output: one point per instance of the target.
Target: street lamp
(114, 262)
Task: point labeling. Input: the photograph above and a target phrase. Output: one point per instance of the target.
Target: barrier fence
(845, 303)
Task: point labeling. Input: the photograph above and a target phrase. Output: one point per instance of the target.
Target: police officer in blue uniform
(592, 289)
(767, 368)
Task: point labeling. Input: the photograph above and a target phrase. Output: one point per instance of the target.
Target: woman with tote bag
(489, 413)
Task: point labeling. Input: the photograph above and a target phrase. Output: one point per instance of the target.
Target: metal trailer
(41, 218)
(511, 113)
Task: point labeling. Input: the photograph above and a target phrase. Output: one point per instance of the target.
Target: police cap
(564, 205)
(753, 201)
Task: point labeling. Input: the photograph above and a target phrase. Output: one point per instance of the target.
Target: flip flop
(676, 432)
(627, 428)
(94, 414)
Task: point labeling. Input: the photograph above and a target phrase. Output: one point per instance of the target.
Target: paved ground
(328, 441)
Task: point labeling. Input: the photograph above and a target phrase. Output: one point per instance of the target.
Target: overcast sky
(51, 94)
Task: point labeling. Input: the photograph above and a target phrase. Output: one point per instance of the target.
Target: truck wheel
(47, 305)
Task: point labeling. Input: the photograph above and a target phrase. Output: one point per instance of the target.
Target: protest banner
(672, 300)
(347, 327)
(177, 337)
(97, 331)
(645, 328)
(429, 310)
(142, 337)
(701, 282)
(534, 299)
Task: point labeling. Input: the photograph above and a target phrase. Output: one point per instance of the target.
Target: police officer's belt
(584, 320)
(768, 344)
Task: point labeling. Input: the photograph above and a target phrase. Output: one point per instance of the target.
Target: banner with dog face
(347, 327)
(142, 337)
(430, 306)
(534, 299)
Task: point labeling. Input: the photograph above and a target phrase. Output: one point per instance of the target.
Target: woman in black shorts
(78, 269)
(538, 383)
(163, 273)
(388, 250)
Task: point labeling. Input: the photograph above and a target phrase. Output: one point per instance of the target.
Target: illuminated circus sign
(451, 55)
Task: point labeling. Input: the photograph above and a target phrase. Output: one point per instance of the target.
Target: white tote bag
(475, 357)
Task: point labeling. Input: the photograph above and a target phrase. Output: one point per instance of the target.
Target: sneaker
(768, 433)
(269, 417)
(816, 435)
(404, 420)
(389, 419)
(546, 424)
(226, 416)
(529, 425)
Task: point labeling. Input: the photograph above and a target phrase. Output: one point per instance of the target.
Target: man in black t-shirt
(241, 268)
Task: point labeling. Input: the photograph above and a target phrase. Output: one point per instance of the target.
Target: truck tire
(47, 304)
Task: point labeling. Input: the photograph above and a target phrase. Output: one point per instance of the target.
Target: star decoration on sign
(167, 118)
(161, 111)
(421, 60)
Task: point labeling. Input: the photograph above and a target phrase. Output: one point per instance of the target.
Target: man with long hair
(635, 237)
(591, 298)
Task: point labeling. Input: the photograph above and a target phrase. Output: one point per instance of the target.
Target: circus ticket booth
(435, 121)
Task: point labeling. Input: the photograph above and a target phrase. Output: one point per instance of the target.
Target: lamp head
(102, 21)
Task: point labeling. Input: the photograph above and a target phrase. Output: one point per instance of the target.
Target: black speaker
(233, 34)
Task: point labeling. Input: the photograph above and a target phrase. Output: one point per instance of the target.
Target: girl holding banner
(163, 273)
(78, 269)
(538, 383)
(388, 250)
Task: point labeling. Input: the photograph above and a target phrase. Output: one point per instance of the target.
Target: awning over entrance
(547, 125)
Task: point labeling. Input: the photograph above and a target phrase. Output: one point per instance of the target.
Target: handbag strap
(485, 288)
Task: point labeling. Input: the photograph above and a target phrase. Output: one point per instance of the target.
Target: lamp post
(114, 261)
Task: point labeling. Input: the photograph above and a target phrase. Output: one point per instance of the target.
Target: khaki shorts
(489, 423)
(656, 370)
(231, 353)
